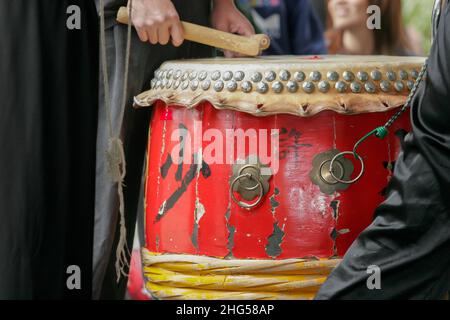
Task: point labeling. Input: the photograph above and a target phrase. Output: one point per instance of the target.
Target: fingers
(157, 22)
(246, 29)
(243, 28)
(153, 35)
(177, 34)
(142, 35)
(163, 34)
(229, 19)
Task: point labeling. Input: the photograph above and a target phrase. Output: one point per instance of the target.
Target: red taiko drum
(240, 201)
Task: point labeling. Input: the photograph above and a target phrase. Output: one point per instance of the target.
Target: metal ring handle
(344, 181)
(251, 166)
(241, 203)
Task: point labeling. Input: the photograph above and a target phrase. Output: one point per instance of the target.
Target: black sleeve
(430, 112)
(409, 239)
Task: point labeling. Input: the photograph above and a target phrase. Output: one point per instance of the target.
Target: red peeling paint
(304, 213)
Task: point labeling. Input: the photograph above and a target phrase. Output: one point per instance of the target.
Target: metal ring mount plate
(321, 176)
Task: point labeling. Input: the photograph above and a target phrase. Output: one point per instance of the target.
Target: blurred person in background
(292, 25)
(321, 10)
(348, 32)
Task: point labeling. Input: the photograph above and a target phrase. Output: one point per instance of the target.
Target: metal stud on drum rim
(299, 76)
(324, 86)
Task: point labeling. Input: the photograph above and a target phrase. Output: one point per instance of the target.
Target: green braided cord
(383, 131)
(380, 132)
(411, 95)
(361, 141)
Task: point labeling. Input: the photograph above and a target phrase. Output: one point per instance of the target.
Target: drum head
(298, 85)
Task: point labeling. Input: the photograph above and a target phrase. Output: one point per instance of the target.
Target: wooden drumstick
(249, 46)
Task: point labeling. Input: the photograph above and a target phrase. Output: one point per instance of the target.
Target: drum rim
(302, 59)
(379, 84)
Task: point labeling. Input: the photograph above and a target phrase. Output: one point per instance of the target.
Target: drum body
(215, 232)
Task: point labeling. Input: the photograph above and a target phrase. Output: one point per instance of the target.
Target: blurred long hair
(391, 39)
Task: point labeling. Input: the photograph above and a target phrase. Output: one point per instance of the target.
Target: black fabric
(48, 118)
(409, 239)
(136, 122)
(111, 6)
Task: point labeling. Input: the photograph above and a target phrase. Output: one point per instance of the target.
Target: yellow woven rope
(198, 278)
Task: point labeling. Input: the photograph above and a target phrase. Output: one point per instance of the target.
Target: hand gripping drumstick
(249, 46)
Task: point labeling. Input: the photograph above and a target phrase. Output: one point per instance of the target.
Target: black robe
(48, 119)
(144, 60)
(409, 240)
